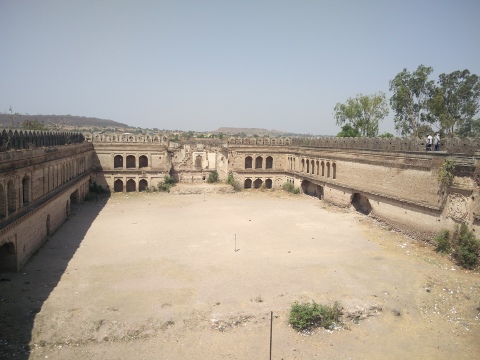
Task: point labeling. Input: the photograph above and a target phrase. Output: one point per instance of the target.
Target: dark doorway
(142, 185)
(268, 183)
(248, 184)
(8, 257)
(361, 203)
(118, 185)
(131, 185)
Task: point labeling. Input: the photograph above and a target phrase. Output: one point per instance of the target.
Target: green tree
(33, 125)
(386, 135)
(469, 128)
(363, 112)
(455, 101)
(348, 131)
(409, 99)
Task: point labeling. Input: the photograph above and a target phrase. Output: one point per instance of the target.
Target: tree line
(421, 106)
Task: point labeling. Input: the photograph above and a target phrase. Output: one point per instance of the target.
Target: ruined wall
(399, 187)
(36, 189)
(130, 166)
(192, 162)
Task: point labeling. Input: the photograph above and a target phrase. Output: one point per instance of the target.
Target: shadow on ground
(22, 294)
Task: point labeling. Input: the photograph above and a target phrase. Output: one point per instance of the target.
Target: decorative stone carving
(457, 208)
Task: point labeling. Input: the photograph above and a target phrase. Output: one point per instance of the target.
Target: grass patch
(308, 316)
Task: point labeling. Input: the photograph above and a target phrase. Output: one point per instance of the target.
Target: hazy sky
(199, 65)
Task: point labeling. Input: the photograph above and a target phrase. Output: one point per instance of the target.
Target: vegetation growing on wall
(446, 172)
(235, 184)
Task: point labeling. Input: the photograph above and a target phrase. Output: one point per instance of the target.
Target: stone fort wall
(395, 180)
(37, 187)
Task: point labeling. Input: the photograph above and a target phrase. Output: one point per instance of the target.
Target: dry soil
(159, 276)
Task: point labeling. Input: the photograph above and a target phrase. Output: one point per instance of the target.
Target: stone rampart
(19, 140)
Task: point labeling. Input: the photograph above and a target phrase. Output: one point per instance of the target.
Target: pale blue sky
(199, 65)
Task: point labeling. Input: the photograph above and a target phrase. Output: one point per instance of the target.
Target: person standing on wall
(436, 142)
(429, 142)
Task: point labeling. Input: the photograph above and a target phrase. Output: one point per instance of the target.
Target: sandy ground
(156, 276)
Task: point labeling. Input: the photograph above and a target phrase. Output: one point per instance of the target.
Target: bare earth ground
(156, 276)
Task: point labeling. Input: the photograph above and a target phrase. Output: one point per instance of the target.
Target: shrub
(235, 184)
(212, 177)
(443, 242)
(307, 316)
(166, 184)
(466, 247)
(289, 187)
(96, 189)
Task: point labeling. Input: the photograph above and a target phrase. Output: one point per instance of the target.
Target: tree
(409, 99)
(363, 112)
(470, 128)
(455, 101)
(348, 131)
(33, 125)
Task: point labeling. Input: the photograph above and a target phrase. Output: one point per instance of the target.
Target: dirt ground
(159, 276)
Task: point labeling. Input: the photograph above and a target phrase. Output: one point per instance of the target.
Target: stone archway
(142, 185)
(131, 185)
(118, 185)
(257, 184)
(247, 184)
(361, 204)
(268, 183)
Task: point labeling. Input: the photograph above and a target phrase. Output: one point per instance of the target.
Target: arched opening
(318, 169)
(259, 162)
(248, 162)
(131, 162)
(131, 185)
(257, 184)
(323, 168)
(313, 167)
(268, 183)
(142, 161)
(26, 190)
(247, 184)
(3, 203)
(308, 167)
(303, 165)
(269, 162)
(118, 185)
(198, 161)
(361, 203)
(309, 188)
(328, 169)
(47, 224)
(118, 161)
(74, 197)
(334, 171)
(11, 197)
(142, 185)
(8, 257)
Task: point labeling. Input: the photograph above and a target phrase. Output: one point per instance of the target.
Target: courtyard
(195, 276)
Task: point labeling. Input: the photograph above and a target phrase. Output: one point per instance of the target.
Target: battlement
(466, 146)
(15, 140)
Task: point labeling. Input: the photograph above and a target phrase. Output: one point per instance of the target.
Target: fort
(394, 180)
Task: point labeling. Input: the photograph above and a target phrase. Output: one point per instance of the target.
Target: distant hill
(67, 120)
(250, 131)
(255, 131)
